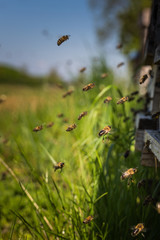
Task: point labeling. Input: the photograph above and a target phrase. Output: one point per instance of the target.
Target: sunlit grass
(89, 183)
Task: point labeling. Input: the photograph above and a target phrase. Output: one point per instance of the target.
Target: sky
(29, 30)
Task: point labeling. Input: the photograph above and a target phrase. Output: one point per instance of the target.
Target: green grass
(89, 183)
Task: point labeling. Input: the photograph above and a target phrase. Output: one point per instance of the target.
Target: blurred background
(30, 30)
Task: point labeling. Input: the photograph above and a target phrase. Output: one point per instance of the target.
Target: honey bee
(38, 128)
(105, 130)
(158, 207)
(67, 93)
(89, 86)
(126, 119)
(62, 39)
(108, 99)
(82, 69)
(120, 64)
(156, 115)
(130, 99)
(60, 115)
(88, 219)
(134, 93)
(122, 100)
(137, 229)
(148, 200)
(143, 78)
(71, 127)
(128, 174)
(104, 75)
(50, 124)
(65, 120)
(82, 115)
(141, 183)
(59, 165)
(120, 45)
(126, 154)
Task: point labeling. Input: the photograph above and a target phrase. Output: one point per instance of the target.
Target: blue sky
(29, 30)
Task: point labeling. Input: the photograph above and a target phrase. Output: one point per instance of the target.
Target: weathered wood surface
(148, 159)
(139, 140)
(154, 138)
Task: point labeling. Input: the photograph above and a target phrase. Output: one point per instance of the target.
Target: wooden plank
(148, 159)
(154, 138)
(139, 140)
(157, 55)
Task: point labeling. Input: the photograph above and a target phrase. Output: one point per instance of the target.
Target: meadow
(37, 202)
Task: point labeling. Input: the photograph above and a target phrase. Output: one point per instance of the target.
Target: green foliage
(10, 75)
(121, 17)
(89, 183)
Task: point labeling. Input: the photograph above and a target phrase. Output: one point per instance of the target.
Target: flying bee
(128, 174)
(134, 93)
(122, 100)
(130, 98)
(158, 207)
(105, 130)
(89, 86)
(143, 78)
(50, 124)
(71, 127)
(104, 75)
(82, 69)
(120, 64)
(59, 165)
(67, 93)
(120, 45)
(126, 154)
(65, 120)
(156, 115)
(141, 183)
(60, 115)
(88, 219)
(108, 99)
(137, 229)
(62, 39)
(38, 128)
(82, 115)
(148, 200)
(126, 119)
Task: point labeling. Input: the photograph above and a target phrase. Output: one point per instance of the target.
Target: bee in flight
(38, 128)
(59, 165)
(120, 64)
(105, 130)
(128, 174)
(143, 79)
(67, 93)
(62, 39)
(89, 86)
(71, 127)
(120, 45)
(137, 229)
(148, 200)
(156, 115)
(82, 115)
(88, 219)
(50, 124)
(122, 100)
(60, 115)
(108, 99)
(104, 75)
(126, 154)
(82, 69)
(134, 93)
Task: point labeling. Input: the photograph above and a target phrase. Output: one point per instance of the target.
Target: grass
(40, 203)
